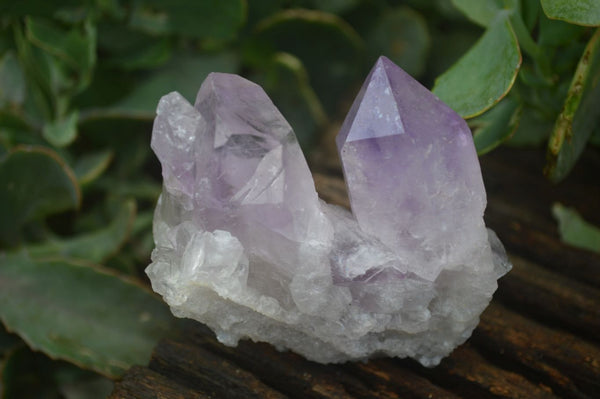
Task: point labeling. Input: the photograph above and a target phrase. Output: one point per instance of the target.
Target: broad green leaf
(208, 19)
(75, 48)
(90, 166)
(328, 47)
(184, 74)
(557, 33)
(484, 75)
(127, 48)
(580, 114)
(286, 82)
(482, 12)
(12, 80)
(148, 55)
(94, 247)
(402, 36)
(574, 230)
(42, 81)
(16, 130)
(34, 182)
(80, 313)
(496, 125)
(62, 132)
(581, 12)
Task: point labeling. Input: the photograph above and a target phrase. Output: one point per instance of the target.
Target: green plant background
(79, 83)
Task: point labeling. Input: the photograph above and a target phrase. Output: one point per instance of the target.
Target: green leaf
(574, 230)
(482, 12)
(207, 19)
(77, 49)
(286, 82)
(62, 132)
(580, 114)
(557, 33)
(80, 313)
(90, 166)
(147, 55)
(94, 247)
(402, 36)
(496, 125)
(484, 75)
(184, 74)
(328, 47)
(126, 48)
(12, 80)
(581, 12)
(41, 77)
(34, 182)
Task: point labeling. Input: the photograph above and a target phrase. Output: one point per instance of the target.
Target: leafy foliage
(79, 82)
(574, 230)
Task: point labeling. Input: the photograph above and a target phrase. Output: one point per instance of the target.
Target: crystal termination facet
(244, 245)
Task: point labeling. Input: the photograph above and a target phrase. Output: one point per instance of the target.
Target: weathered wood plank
(379, 373)
(141, 382)
(542, 247)
(288, 372)
(515, 177)
(563, 361)
(547, 296)
(198, 369)
(469, 373)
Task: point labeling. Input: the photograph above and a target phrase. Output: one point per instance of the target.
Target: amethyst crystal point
(412, 171)
(244, 245)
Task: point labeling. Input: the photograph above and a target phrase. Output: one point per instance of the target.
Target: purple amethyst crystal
(412, 171)
(244, 245)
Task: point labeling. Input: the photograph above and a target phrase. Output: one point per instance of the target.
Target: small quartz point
(245, 246)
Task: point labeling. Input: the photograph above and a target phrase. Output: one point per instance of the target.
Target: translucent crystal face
(411, 170)
(244, 245)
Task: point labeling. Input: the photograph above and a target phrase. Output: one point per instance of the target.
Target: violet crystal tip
(400, 142)
(244, 245)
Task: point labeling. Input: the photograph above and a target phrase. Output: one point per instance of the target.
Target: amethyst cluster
(245, 246)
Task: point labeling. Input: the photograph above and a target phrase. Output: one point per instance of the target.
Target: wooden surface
(540, 337)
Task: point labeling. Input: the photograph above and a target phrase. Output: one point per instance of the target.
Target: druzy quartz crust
(245, 246)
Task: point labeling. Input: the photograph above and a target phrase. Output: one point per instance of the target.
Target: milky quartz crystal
(245, 246)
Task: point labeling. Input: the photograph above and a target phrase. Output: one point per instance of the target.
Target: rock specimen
(244, 245)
